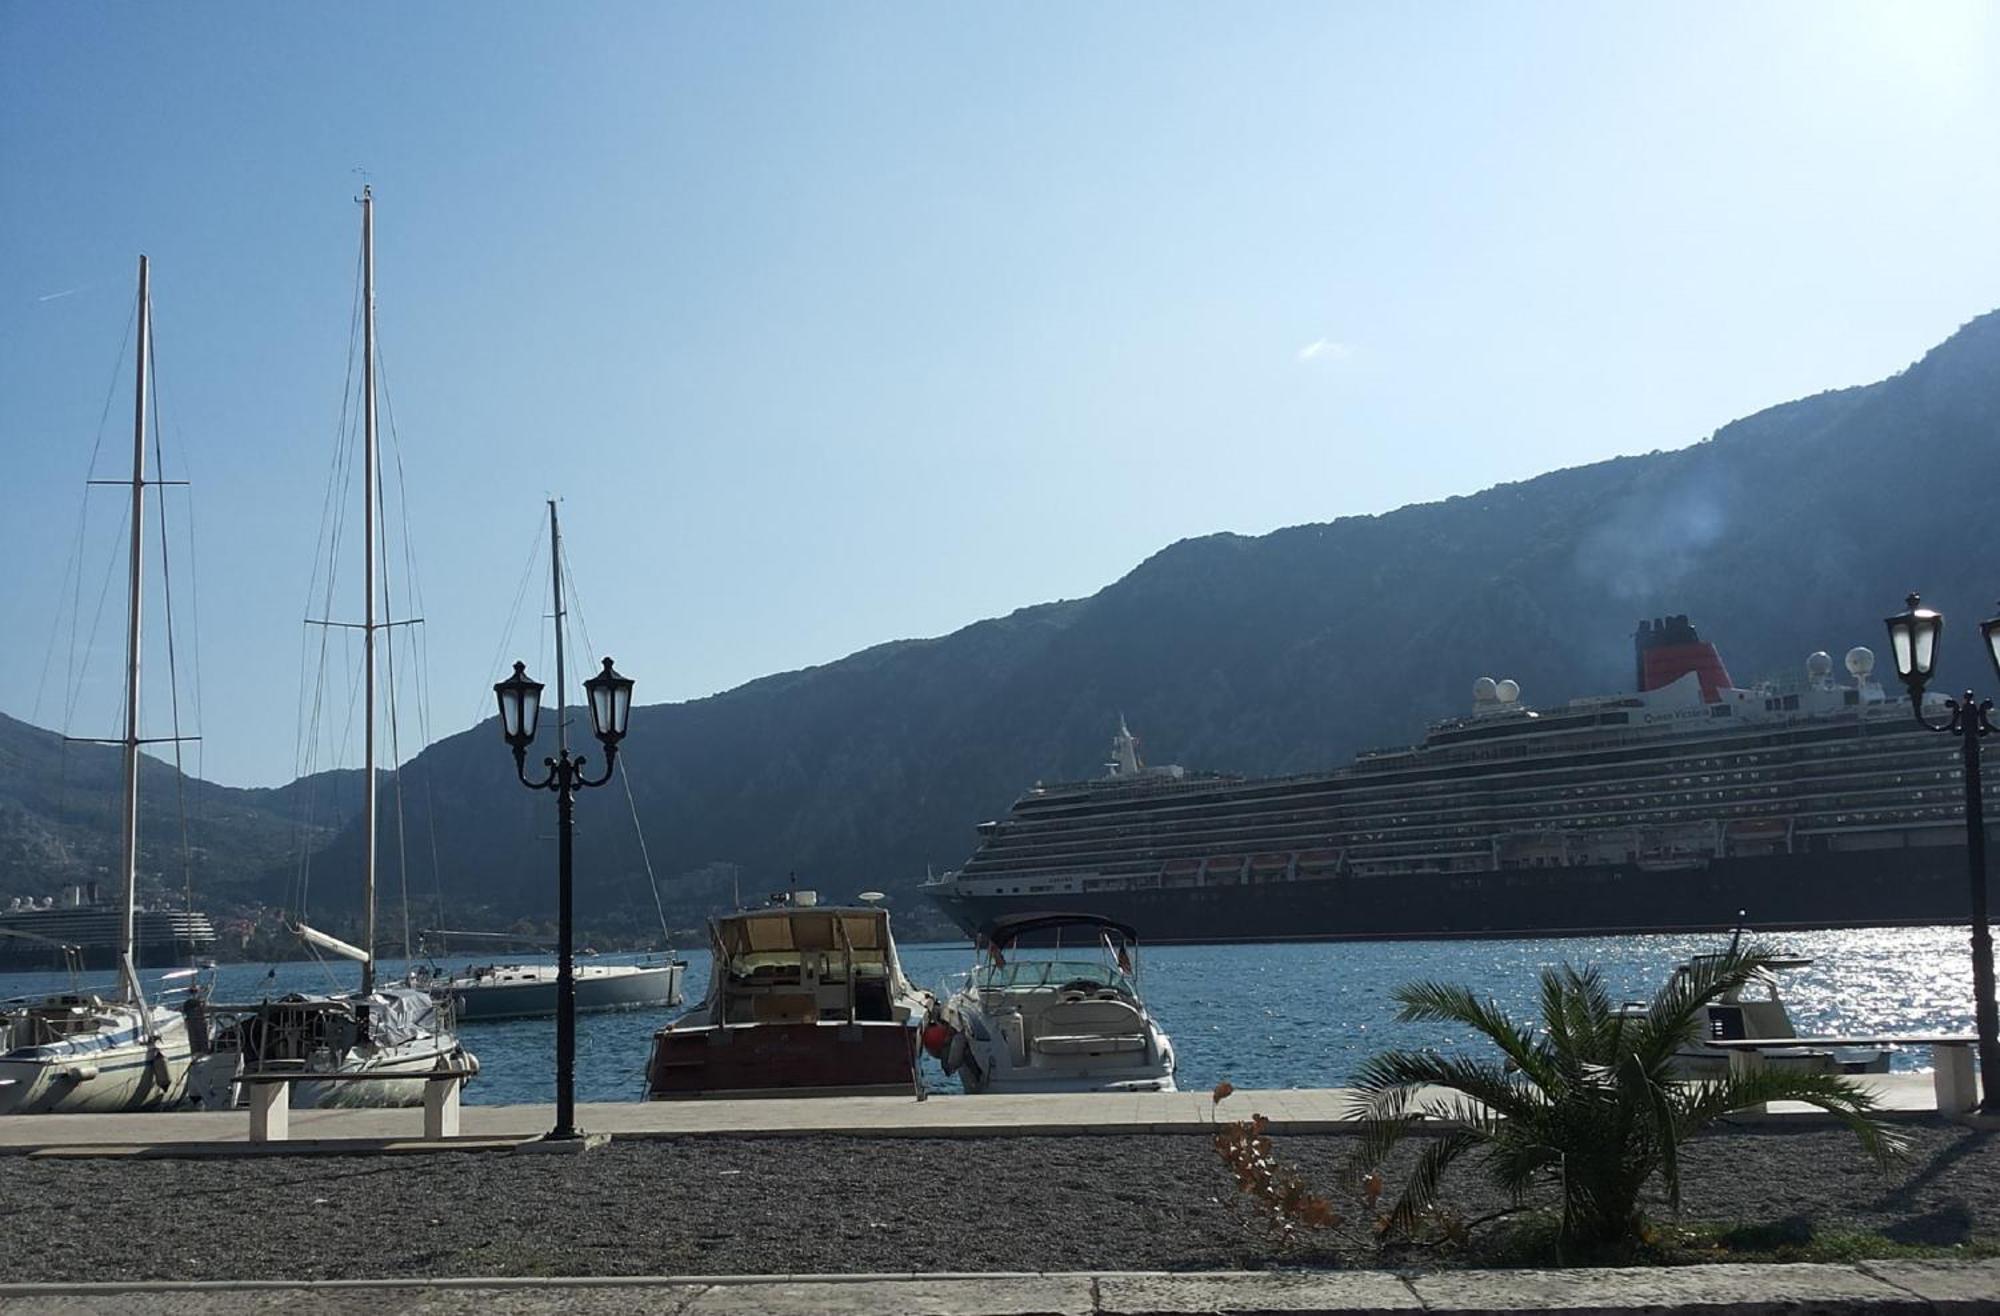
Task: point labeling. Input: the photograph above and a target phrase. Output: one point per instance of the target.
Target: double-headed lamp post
(1913, 639)
(610, 709)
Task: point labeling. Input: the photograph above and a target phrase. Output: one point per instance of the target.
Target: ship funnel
(1667, 648)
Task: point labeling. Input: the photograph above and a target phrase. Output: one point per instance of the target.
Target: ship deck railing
(1951, 1055)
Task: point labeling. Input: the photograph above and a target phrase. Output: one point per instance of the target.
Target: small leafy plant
(1278, 1191)
(1587, 1102)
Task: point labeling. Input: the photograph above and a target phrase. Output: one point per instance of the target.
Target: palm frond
(1836, 1094)
(1419, 1195)
(1447, 1003)
(1512, 1095)
(1675, 1014)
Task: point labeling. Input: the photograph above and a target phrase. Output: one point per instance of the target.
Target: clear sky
(834, 324)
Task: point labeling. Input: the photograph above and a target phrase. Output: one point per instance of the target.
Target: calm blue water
(1261, 1016)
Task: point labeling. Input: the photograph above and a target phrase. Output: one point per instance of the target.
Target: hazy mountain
(1795, 529)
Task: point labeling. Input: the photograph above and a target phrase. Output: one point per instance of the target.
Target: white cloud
(1325, 349)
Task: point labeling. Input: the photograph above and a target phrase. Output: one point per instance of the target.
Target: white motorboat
(76, 1052)
(1053, 1005)
(393, 1031)
(1756, 1011)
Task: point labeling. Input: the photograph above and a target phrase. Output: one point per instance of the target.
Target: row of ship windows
(1543, 783)
(1481, 839)
(1477, 819)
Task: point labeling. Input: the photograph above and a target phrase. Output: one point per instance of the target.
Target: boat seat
(1087, 1015)
(1089, 1044)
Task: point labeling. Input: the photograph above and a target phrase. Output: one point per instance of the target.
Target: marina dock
(1290, 1110)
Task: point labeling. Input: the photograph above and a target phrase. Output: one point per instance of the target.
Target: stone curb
(1878, 1288)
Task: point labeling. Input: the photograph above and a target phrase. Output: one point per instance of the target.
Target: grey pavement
(1291, 1110)
(1877, 1288)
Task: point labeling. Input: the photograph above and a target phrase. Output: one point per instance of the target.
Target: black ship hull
(32, 957)
(1794, 891)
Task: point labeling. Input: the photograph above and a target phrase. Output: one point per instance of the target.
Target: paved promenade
(1313, 1110)
(1878, 1288)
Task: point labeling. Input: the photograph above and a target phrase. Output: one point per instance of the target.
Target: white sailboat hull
(93, 1075)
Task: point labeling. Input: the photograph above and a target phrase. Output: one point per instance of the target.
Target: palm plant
(1588, 1099)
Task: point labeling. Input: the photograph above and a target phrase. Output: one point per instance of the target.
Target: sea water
(1264, 1016)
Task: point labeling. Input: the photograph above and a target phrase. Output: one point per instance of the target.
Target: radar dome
(1818, 664)
(1483, 689)
(1507, 691)
(1860, 662)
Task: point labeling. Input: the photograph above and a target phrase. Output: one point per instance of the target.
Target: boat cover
(395, 1014)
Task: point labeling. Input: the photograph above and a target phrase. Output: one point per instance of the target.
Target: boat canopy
(788, 928)
(1010, 929)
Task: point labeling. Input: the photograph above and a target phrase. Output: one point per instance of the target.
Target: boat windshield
(1031, 975)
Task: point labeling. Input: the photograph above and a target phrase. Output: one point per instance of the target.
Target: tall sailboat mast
(368, 616)
(135, 585)
(555, 573)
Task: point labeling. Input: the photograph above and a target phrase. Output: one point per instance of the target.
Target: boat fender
(956, 1054)
(937, 1038)
(156, 1064)
(79, 1073)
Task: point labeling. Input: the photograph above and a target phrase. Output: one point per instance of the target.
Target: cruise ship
(82, 919)
(1814, 802)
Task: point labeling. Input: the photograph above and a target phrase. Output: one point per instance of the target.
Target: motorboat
(1753, 1012)
(803, 999)
(1053, 1005)
(482, 992)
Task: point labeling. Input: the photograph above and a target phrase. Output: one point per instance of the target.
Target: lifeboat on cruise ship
(1318, 863)
(1270, 867)
(1225, 868)
(1180, 872)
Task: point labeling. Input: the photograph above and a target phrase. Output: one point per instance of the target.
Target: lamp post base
(550, 1144)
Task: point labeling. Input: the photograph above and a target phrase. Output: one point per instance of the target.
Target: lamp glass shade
(1913, 642)
(610, 704)
(1989, 630)
(520, 707)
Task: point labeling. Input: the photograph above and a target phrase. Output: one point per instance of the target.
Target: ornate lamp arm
(521, 771)
(610, 762)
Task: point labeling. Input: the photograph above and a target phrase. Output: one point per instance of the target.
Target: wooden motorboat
(803, 1000)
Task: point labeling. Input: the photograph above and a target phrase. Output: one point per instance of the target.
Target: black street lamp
(1913, 640)
(610, 708)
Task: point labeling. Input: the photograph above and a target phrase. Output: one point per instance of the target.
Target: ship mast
(555, 574)
(368, 625)
(135, 585)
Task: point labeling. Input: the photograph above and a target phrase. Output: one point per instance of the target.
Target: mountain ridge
(1783, 531)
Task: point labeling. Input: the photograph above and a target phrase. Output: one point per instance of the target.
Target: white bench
(1952, 1076)
(270, 1093)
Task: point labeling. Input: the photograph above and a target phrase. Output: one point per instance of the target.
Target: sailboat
(526, 990)
(395, 1031)
(76, 1052)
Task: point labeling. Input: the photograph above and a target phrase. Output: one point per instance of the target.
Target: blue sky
(842, 323)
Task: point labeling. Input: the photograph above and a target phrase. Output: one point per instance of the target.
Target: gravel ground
(718, 1205)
